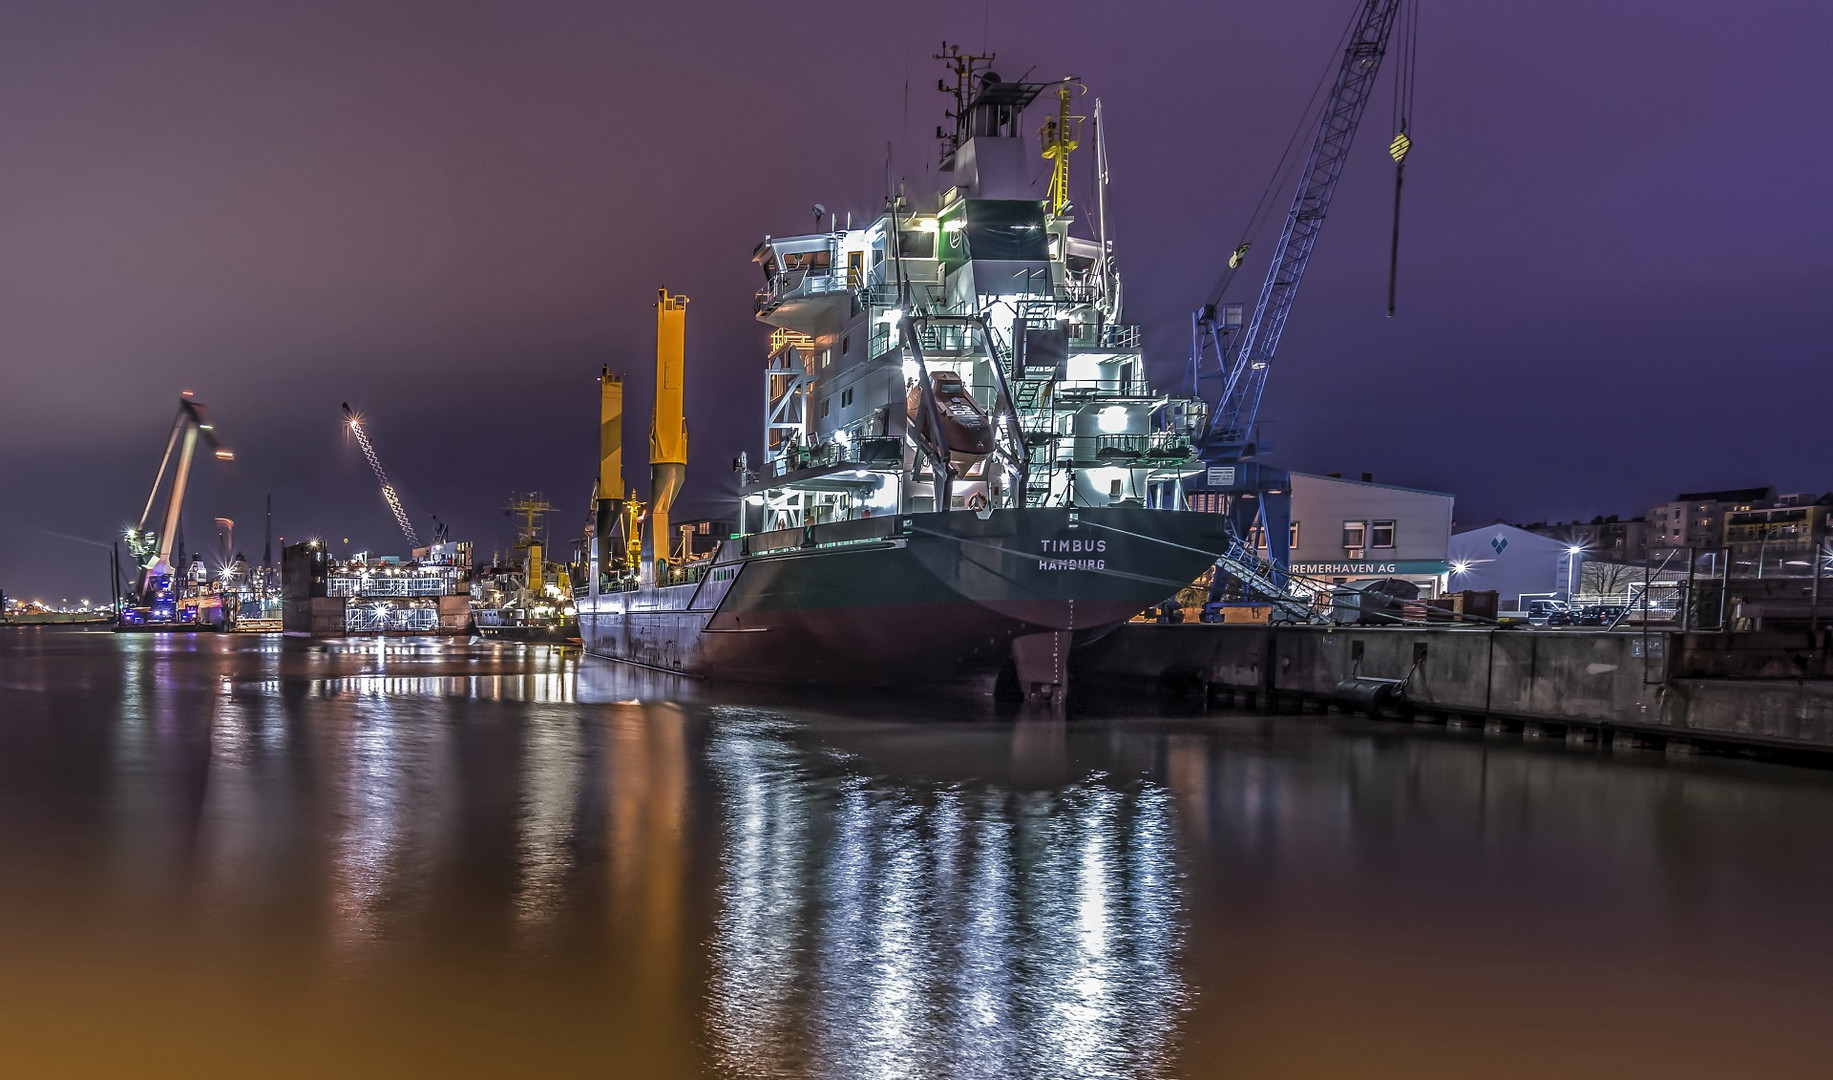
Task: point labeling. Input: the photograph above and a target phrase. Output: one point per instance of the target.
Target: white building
(1352, 530)
(1518, 565)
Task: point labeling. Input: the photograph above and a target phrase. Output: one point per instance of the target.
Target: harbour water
(233, 856)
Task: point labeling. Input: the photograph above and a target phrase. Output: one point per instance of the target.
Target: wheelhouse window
(1009, 230)
(817, 261)
(916, 244)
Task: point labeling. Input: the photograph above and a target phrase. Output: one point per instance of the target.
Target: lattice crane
(1228, 444)
(389, 495)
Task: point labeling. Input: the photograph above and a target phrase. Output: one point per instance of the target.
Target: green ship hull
(916, 599)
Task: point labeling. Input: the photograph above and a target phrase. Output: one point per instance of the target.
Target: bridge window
(817, 261)
(916, 244)
(1006, 229)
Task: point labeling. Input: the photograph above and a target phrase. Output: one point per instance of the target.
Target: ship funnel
(668, 428)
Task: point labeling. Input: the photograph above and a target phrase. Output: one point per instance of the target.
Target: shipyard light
(1575, 550)
(1112, 419)
(1460, 568)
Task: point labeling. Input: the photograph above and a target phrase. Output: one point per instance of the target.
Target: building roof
(1514, 533)
(1728, 495)
(1372, 484)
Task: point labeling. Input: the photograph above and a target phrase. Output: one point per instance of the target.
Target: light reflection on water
(874, 929)
(225, 856)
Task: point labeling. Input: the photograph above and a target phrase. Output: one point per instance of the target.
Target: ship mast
(1060, 135)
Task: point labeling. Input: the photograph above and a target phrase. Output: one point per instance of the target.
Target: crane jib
(1245, 381)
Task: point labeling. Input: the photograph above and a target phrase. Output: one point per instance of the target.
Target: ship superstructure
(964, 350)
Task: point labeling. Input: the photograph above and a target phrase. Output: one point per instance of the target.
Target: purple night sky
(1614, 260)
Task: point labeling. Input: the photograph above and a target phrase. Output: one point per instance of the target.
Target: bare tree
(1596, 578)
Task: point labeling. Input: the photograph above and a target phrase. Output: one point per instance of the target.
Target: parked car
(1541, 612)
(1600, 615)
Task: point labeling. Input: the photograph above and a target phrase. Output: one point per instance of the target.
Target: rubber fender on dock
(1367, 693)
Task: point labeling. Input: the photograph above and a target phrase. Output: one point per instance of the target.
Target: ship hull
(924, 599)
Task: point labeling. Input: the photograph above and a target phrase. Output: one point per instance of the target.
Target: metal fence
(390, 619)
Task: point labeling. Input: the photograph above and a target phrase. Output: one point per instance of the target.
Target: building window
(846, 344)
(846, 397)
(1355, 534)
(1381, 534)
(825, 402)
(1260, 536)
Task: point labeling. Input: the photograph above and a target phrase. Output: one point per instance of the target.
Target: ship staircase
(1262, 578)
(1028, 394)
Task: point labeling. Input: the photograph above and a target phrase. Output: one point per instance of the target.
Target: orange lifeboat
(965, 426)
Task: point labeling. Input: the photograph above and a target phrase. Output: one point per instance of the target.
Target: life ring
(977, 501)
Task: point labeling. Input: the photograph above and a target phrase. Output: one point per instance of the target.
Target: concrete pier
(1761, 689)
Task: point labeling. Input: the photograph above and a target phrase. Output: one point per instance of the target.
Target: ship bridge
(978, 288)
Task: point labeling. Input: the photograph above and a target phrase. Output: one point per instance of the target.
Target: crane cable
(1288, 162)
(1403, 123)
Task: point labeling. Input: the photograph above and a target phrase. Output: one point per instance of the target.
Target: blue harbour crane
(153, 549)
(1242, 357)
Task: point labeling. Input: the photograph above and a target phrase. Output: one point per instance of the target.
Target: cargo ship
(965, 470)
(527, 602)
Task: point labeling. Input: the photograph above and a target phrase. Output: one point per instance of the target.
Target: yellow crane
(618, 525)
(1060, 135)
(668, 427)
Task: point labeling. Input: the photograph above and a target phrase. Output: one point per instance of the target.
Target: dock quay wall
(1664, 687)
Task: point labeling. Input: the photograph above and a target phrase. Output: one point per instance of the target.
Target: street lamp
(1572, 557)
